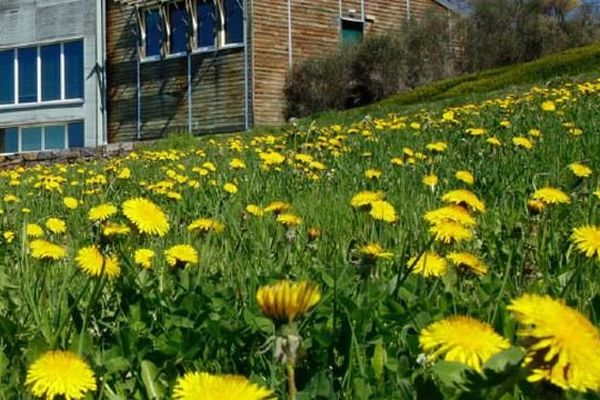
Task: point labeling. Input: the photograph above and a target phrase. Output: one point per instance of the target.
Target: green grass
(145, 328)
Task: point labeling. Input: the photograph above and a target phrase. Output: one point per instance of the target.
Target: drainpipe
(189, 83)
(246, 72)
(340, 19)
(290, 50)
(362, 12)
(408, 10)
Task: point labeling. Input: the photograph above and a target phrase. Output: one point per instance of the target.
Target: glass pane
(54, 137)
(179, 29)
(76, 135)
(9, 140)
(50, 72)
(31, 139)
(7, 74)
(234, 21)
(206, 19)
(28, 75)
(153, 33)
(74, 70)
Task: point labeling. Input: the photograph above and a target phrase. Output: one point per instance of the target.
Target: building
(51, 75)
(221, 65)
(82, 73)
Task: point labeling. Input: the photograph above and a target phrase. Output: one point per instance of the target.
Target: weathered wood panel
(316, 28)
(217, 86)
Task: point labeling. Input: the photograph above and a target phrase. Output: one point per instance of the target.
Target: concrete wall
(36, 22)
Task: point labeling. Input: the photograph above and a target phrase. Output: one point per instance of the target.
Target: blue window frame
(74, 70)
(7, 74)
(54, 137)
(28, 75)
(51, 83)
(234, 21)
(207, 23)
(179, 28)
(9, 140)
(75, 134)
(153, 32)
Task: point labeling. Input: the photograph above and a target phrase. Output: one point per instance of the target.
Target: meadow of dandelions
(444, 253)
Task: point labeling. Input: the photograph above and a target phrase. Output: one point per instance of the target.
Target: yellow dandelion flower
(143, 258)
(462, 339)
(255, 210)
(372, 252)
(463, 197)
(115, 229)
(535, 206)
(271, 158)
(289, 220)
(181, 255)
(430, 180)
(450, 213)
(125, 173)
(430, 264)
(438, 147)
(92, 262)
(8, 236)
(465, 176)
(523, 142)
(286, 301)
(468, 262)
(230, 188)
(548, 106)
(494, 141)
(44, 250)
(372, 174)
(204, 386)
(365, 198)
(383, 211)
(236, 163)
(146, 216)
(56, 225)
(476, 131)
(34, 230)
(580, 170)
(206, 225)
(102, 212)
(534, 132)
(587, 240)
(277, 207)
(597, 194)
(397, 161)
(563, 347)
(451, 232)
(60, 374)
(550, 195)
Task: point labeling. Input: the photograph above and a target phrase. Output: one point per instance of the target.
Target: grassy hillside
(446, 252)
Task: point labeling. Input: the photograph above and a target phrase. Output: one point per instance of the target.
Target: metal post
(189, 83)
(246, 72)
(139, 97)
(289, 15)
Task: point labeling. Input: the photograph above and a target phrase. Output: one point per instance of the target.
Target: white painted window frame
(63, 100)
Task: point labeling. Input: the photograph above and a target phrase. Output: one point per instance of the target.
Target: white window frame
(39, 102)
(43, 127)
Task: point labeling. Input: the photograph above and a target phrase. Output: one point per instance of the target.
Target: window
(74, 70)
(7, 72)
(206, 23)
(153, 32)
(28, 75)
(352, 32)
(75, 134)
(51, 72)
(37, 138)
(234, 21)
(9, 140)
(179, 28)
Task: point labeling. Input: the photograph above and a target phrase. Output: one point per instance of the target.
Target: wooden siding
(217, 82)
(315, 33)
